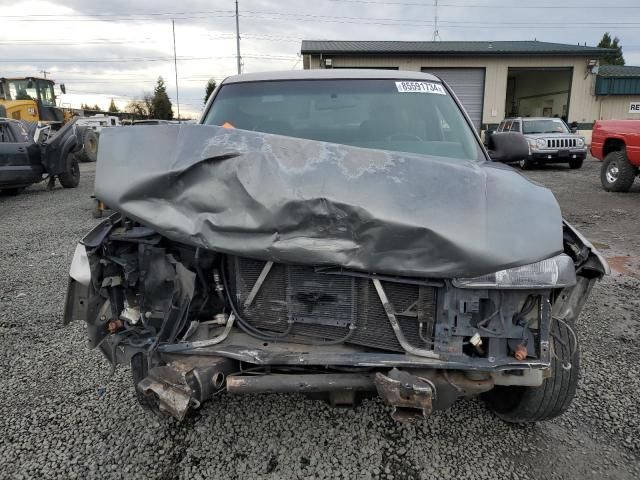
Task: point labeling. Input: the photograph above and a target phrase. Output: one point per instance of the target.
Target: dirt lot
(61, 416)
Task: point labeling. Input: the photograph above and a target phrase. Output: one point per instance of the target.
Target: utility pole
(44, 73)
(436, 34)
(175, 65)
(239, 58)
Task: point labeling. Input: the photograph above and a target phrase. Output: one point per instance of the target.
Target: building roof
(448, 48)
(618, 71)
(342, 73)
(618, 80)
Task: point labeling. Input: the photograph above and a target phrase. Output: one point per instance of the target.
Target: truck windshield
(546, 125)
(46, 93)
(27, 89)
(405, 116)
(23, 90)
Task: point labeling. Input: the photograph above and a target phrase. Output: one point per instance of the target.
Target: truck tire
(90, 142)
(616, 173)
(516, 404)
(71, 176)
(576, 163)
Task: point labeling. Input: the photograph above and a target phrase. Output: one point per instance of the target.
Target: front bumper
(244, 348)
(175, 374)
(557, 156)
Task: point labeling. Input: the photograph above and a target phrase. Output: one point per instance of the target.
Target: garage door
(468, 85)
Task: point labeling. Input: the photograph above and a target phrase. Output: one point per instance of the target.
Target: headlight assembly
(80, 270)
(541, 143)
(580, 142)
(553, 272)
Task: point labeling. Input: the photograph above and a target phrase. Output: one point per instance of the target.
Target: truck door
(19, 160)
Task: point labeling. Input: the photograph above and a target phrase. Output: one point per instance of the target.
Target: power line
(502, 6)
(146, 40)
(141, 59)
(117, 17)
(385, 21)
(125, 15)
(422, 24)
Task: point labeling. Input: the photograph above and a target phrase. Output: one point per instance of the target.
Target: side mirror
(508, 147)
(487, 137)
(573, 129)
(63, 89)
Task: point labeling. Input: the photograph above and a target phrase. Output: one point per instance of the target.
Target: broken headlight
(80, 270)
(553, 272)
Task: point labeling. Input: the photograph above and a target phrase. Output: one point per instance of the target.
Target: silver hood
(298, 201)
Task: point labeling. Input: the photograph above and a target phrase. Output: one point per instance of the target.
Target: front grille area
(323, 305)
(562, 142)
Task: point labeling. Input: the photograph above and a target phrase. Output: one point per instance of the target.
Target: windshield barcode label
(420, 87)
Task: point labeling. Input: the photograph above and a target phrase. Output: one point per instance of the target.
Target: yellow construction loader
(31, 99)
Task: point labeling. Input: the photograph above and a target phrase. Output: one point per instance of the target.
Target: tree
(161, 107)
(209, 88)
(615, 58)
(137, 109)
(86, 106)
(113, 108)
(147, 99)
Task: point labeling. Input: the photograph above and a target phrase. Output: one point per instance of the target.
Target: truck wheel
(71, 176)
(576, 163)
(90, 142)
(526, 164)
(616, 173)
(517, 404)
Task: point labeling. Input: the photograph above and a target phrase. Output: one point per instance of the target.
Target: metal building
(493, 80)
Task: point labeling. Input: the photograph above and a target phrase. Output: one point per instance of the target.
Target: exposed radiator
(323, 305)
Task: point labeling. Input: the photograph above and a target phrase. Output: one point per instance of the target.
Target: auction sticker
(420, 87)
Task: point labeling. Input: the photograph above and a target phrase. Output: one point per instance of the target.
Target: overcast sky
(118, 48)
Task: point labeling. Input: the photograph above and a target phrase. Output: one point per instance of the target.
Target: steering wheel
(403, 136)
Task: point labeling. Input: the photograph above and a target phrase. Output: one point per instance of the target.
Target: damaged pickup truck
(340, 233)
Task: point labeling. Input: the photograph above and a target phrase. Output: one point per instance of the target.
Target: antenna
(436, 34)
(238, 57)
(175, 65)
(44, 73)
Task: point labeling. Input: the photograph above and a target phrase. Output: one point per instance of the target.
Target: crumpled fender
(56, 150)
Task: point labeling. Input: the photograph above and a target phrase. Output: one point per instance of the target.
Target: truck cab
(31, 99)
(617, 144)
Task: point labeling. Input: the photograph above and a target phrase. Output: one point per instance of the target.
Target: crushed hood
(298, 201)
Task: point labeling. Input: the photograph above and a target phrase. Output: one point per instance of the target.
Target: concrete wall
(583, 105)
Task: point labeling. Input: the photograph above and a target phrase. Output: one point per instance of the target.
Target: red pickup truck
(617, 142)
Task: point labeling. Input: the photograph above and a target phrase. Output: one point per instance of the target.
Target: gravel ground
(62, 417)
